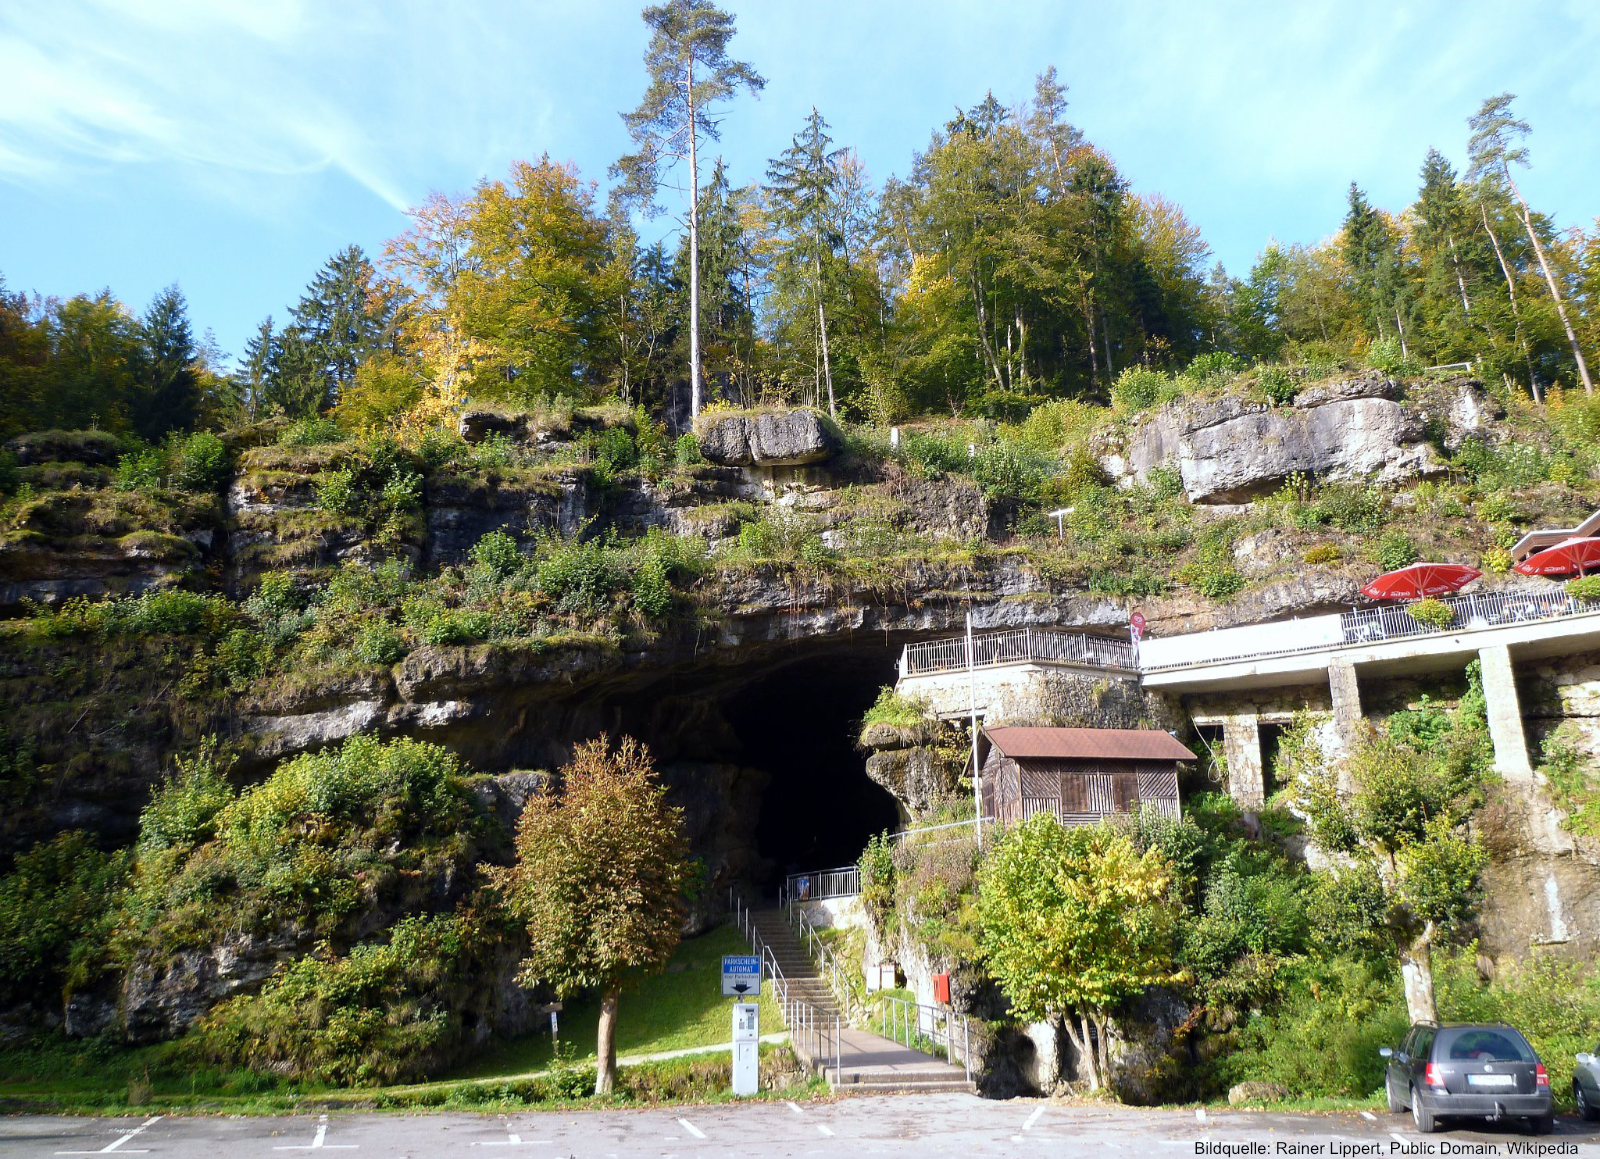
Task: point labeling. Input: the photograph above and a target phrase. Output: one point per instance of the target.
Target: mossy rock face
(95, 448)
(65, 477)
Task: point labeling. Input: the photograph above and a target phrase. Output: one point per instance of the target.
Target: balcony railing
(822, 884)
(1024, 645)
(1379, 625)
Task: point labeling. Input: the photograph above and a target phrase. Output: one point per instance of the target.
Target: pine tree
(804, 187)
(1495, 147)
(691, 75)
(168, 388)
(344, 318)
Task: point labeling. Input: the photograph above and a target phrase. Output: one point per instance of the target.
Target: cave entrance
(799, 724)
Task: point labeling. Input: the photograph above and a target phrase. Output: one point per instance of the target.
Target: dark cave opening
(799, 725)
(762, 759)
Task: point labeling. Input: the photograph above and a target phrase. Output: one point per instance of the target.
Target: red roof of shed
(1109, 744)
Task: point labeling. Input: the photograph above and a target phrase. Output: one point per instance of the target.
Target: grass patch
(677, 1010)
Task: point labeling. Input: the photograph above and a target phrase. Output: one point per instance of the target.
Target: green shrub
(1432, 613)
(1497, 560)
(1277, 384)
(1394, 550)
(183, 811)
(1575, 781)
(1010, 470)
(56, 906)
(1584, 587)
(336, 491)
(1324, 553)
(1212, 366)
(379, 643)
(1387, 355)
(580, 576)
(199, 463)
(385, 1011)
(1140, 388)
(141, 469)
(652, 591)
(686, 451)
(402, 490)
(497, 555)
(1214, 580)
(312, 431)
(10, 474)
(1164, 482)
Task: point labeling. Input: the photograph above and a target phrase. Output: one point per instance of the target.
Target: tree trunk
(1085, 1046)
(1400, 329)
(605, 1071)
(694, 253)
(1416, 969)
(1461, 283)
(1104, 1041)
(1511, 289)
(1555, 291)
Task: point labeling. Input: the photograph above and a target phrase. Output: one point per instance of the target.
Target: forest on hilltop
(1013, 264)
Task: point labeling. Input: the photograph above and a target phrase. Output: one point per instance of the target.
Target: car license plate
(1491, 1080)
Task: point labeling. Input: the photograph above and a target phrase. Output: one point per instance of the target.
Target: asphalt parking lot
(957, 1126)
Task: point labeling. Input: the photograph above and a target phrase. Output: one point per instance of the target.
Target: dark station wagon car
(1474, 1071)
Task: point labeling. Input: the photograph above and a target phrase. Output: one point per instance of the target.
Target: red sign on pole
(1136, 623)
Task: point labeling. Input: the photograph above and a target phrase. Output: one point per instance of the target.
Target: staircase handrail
(833, 973)
(905, 1018)
(740, 913)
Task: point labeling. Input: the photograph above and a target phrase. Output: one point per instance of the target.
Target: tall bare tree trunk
(1511, 289)
(1461, 283)
(1416, 970)
(822, 329)
(694, 253)
(1555, 291)
(606, 1043)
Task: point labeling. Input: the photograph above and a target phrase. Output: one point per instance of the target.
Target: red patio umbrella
(1566, 557)
(1420, 580)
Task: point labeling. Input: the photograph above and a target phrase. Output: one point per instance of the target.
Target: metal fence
(930, 1029)
(1024, 644)
(822, 884)
(1378, 625)
(916, 833)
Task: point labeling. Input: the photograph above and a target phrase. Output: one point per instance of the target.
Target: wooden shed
(1080, 774)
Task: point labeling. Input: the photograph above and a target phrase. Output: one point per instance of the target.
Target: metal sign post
(972, 704)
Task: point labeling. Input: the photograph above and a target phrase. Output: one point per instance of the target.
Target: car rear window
(1482, 1046)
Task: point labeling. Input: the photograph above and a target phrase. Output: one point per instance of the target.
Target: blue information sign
(741, 976)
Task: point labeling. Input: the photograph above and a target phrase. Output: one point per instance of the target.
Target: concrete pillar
(1344, 695)
(1241, 742)
(1505, 714)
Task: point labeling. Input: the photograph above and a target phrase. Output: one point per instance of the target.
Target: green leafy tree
(691, 78)
(1400, 813)
(1074, 922)
(602, 864)
(1497, 144)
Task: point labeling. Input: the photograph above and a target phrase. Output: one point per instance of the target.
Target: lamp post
(972, 705)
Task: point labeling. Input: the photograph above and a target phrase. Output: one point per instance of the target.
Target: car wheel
(1542, 1124)
(1586, 1109)
(1395, 1105)
(1421, 1116)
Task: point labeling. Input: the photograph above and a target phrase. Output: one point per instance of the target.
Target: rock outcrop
(1232, 449)
(779, 439)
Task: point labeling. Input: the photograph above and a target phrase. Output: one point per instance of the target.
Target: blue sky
(231, 146)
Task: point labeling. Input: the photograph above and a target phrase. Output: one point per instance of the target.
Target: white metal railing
(919, 1027)
(815, 1033)
(833, 973)
(917, 831)
(1049, 645)
(822, 884)
(1376, 625)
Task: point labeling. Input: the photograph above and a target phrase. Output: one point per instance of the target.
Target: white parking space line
(1398, 1137)
(1369, 1116)
(1033, 1118)
(794, 1106)
(115, 1144)
(692, 1129)
(826, 1131)
(319, 1143)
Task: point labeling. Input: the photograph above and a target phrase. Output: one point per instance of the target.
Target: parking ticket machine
(746, 1048)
